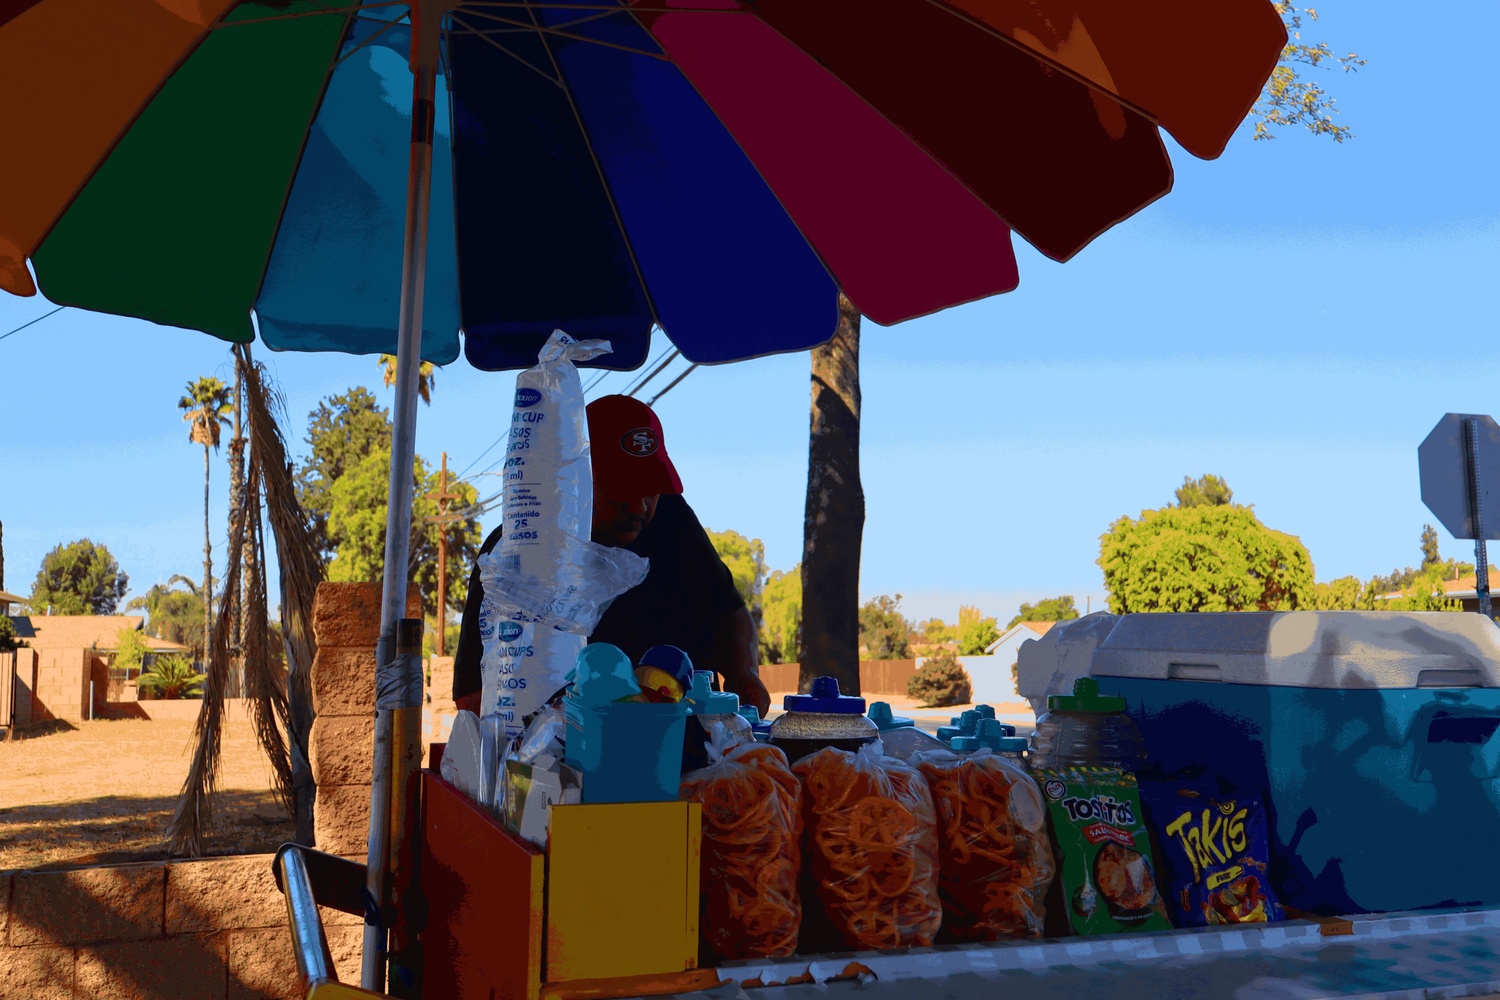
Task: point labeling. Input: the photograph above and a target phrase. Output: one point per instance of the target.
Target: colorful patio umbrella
(717, 169)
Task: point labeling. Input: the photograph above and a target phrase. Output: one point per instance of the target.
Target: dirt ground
(103, 792)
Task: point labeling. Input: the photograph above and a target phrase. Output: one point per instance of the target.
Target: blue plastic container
(1374, 734)
(627, 751)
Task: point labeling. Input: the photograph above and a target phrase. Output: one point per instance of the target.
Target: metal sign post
(1452, 461)
(1476, 514)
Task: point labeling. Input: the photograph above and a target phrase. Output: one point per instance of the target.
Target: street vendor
(688, 598)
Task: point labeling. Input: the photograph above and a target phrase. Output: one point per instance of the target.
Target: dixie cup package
(546, 583)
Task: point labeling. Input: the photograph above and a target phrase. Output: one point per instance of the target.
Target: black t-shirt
(683, 600)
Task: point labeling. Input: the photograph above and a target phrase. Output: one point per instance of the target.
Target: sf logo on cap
(640, 442)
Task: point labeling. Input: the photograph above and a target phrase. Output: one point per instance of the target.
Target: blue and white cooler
(1372, 734)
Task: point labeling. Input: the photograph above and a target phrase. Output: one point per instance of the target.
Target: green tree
(130, 650)
(1430, 555)
(171, 677)
(1206, 491)
(1287, 99)
(206, 408)
(1425, 594)
(356, 529)
(342, 432)
(1051, 609)
(1432, 560)
(781, 616)
(1212, 558)
(174, 615)
(746, 559)
(975, 631)
(884, 632)
(1344, 594)
(8, 640)
(936, 632)
(940, 681)
(79, 578)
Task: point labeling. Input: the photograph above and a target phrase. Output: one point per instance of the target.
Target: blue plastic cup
(627, 751)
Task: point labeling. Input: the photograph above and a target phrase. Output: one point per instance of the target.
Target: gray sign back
(1443, 464)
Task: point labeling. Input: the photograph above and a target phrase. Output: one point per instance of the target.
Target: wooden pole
(442, 519)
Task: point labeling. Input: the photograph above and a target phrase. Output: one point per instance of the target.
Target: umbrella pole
(397, 734)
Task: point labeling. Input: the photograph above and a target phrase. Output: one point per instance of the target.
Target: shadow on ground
(113, 829)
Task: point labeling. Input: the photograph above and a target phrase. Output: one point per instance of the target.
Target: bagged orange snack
(995, 858)
(871, 848)
(752, 848)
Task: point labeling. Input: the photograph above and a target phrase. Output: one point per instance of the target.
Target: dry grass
(103, 792)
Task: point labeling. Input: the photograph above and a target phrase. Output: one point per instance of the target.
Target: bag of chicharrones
(752, 848)
(994, 853)
(870, 850)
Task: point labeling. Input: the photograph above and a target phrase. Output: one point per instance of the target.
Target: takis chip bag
(1214, 852)
(1107, 879)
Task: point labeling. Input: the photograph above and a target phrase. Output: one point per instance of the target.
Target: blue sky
(1295, 316)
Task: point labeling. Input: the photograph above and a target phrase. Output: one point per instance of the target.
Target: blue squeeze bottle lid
(702, 699)
(967, 722)
(985, 711)
(1013, 744)
(824, 698)
(986, 734)
(880, 714)
(671, 659)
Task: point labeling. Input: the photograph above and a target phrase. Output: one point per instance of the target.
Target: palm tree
(424, 376)
(171, 677)
(206, 408)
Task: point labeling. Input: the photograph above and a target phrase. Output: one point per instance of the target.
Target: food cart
(611, 909)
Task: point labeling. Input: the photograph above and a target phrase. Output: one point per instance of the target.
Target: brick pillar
(438, 708)
(346, 624)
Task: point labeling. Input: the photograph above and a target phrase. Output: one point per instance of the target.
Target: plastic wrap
(546, 583)
(752, 854)
(994, 854)
(871, 847)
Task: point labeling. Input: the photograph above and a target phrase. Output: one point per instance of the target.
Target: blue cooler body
(1373, 735)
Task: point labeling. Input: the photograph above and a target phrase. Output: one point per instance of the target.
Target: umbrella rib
(517, 27)
(594, 16)
(603, 180)
(320, 12)
(388, 26)
(555, 81)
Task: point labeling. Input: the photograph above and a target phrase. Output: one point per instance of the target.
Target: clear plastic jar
(1086, 729)
(899, 735)
(822, 718)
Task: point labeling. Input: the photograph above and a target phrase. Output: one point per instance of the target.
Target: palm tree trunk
(208, 594)
(834, 519)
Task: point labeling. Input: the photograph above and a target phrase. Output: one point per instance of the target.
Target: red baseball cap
(629, 458)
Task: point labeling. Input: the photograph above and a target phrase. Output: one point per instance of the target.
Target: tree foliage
(356, 529)
(1207, 558)
(746, 559)
(781, 616)
(975, 631)
(172, 614)
(426, 377)
(941, 681)
(8, 640)
(1207, 490)
(130, 649)
(342, 433)
(1050, 609)
(884, 632)
(1432, 562)
(171, 677)
(1287, 98)
(79, 578)
(206, 408)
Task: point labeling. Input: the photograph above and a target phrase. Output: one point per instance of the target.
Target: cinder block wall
(346, 623)
(62, 685)
(214, 929)
(438, 710)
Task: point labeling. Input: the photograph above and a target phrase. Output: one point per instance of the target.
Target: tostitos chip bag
(1107, 879)
(1214, 852)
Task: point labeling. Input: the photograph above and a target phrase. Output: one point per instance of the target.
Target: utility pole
(442, 519)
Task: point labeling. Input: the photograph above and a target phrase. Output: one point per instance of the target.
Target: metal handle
(299, 873)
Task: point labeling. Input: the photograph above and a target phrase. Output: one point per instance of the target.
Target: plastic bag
(995, 858)
(546, 583)
(871, 847)
(1214, 851)
(1106, 873)
(473, 758)
(752, 848)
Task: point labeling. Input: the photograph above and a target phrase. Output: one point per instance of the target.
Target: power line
(691, 368)
(641, 383)
(37, 320)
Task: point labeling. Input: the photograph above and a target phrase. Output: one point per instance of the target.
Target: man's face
(618, 522)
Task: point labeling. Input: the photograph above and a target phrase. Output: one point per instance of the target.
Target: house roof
(100, 632)
(6, 598)
(1024, 629)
